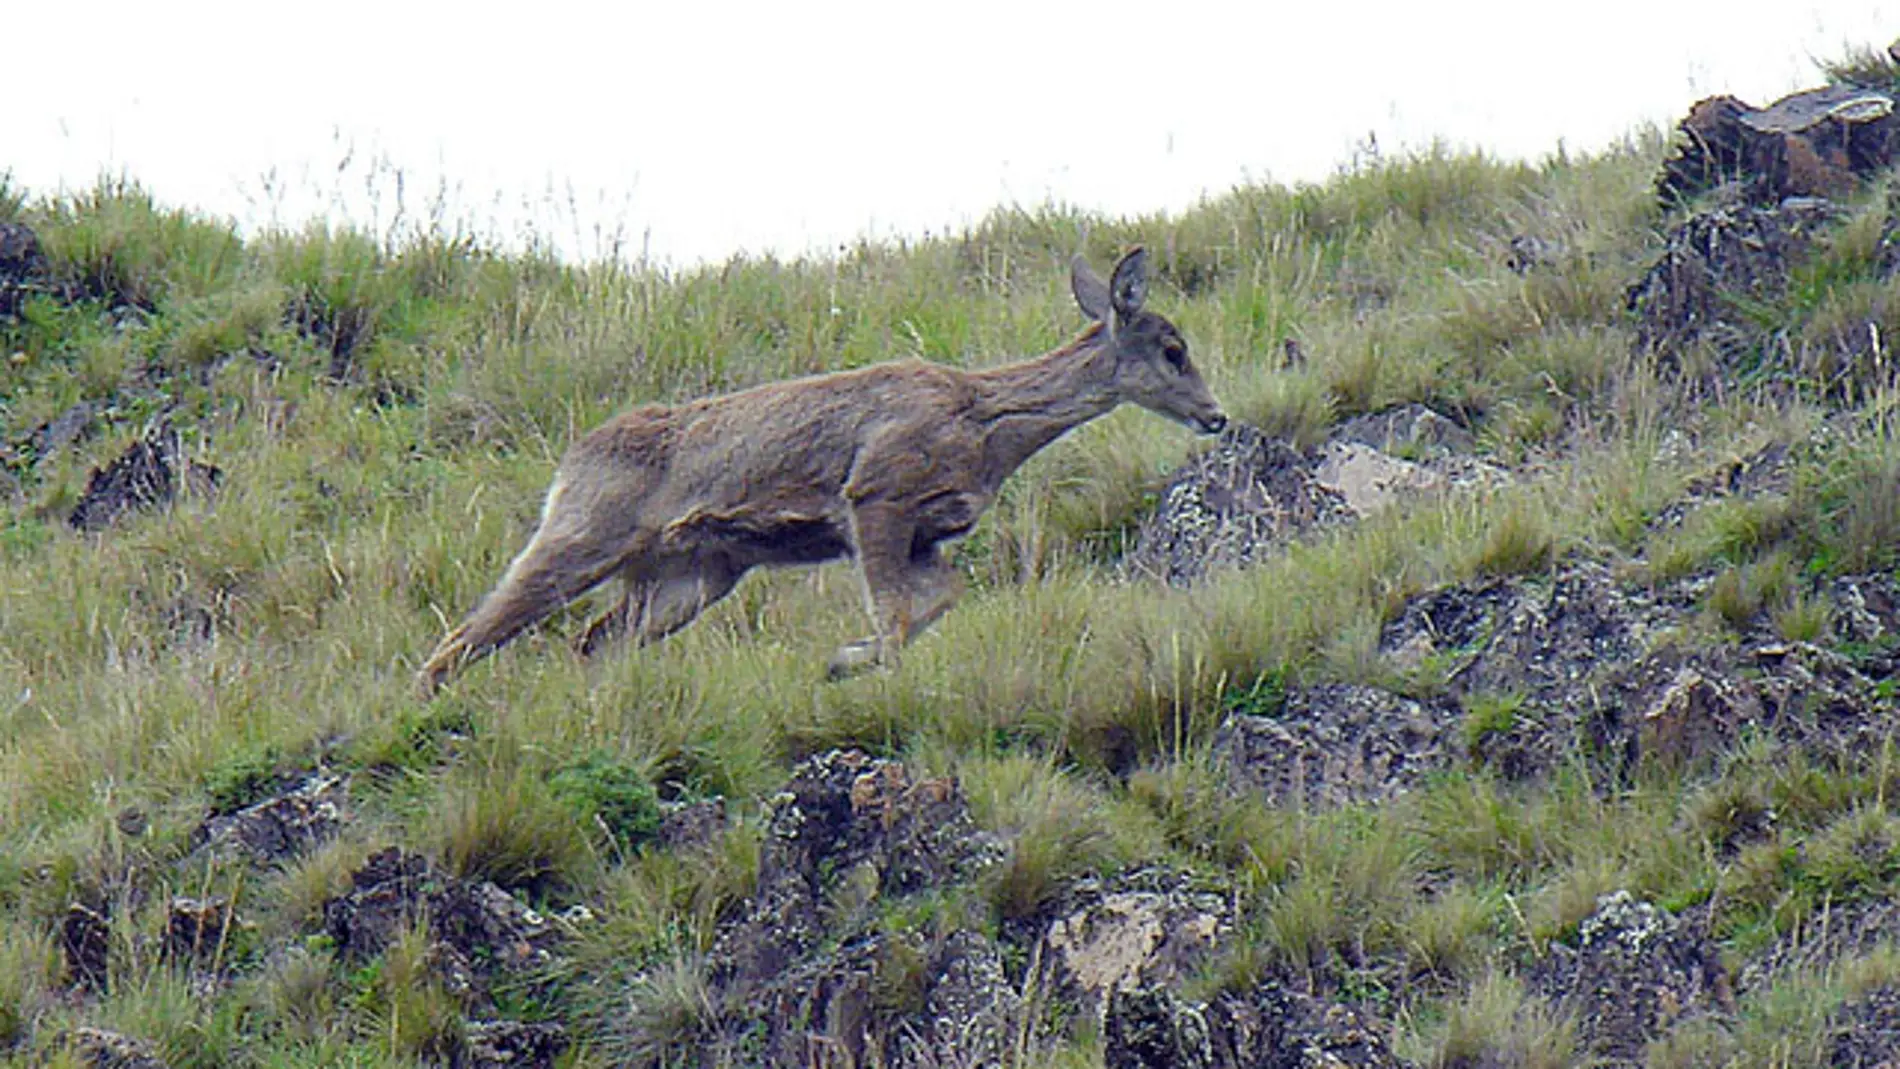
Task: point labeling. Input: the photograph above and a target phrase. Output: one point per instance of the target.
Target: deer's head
(1151, 358)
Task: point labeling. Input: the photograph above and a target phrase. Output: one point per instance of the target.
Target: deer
(882, 465)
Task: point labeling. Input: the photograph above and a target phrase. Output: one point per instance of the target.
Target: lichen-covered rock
(806, 967)
(1336, 743)
(305, 815)
(1713, 264)
(1818, 142)
(1272, 1027)
(479, 933)
(1147, 928)
(1234, 504)
(1818, 699)
(689, 825)
(1231, 504)
(848, 827)
(85, 936)
(196, 928)
(101, 1049)
(1635, 971)
(1867, 1031)
(1550, 643)
(510, 1045)
(22, 268)
(1409, 430)
(149, 473)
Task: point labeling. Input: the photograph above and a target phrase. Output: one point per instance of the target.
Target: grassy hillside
(385, 411)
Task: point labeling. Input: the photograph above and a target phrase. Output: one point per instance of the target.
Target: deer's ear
(1090, 291)
(1129, 287)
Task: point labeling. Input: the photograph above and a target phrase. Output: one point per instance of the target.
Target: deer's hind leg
(655, 606)
(569, 555)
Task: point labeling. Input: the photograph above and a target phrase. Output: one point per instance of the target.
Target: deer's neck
(1029, 404)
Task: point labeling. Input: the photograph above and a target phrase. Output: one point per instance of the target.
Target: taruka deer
(882, 464)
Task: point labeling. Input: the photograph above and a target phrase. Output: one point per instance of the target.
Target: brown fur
(882, 464)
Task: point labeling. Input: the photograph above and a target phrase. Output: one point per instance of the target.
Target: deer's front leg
(907, 586)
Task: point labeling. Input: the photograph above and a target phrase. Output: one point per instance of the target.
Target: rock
(64, 430)
(1369, 481)
(510, 1043)
(1551, 645)
(149, 473)
(282, 828)
(1236, 503)
(848, 826)
(110, 1050)
(1815, 143)
(1336, 743)
(971, 1010)
(885, 999)
(1695, 715)
(1272, 1027)
(1230, 506)
(22, 268)
(1817, 699)
(1529, 252)
(1448, 626)
(690, 825)
(1867, 1031)
(1731, 252)
(1867, 615)
(195, 928)
(807, 970)
(1410, 430)
(84, 939)
(479, 933)
(1635, 972)
(1151, 928)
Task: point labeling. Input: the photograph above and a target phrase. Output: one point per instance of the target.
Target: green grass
(387, 410)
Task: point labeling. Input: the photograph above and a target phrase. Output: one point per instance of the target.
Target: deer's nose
(1215, 423)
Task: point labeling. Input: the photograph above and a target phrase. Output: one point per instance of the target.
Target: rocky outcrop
(1634, 972)
(151, 472)
(1251, 493)
(805, 967)
(1143, 930)
(1815, 143)
(1715, 263)
(1335, 744)
(22, 268)
(1271, 1027)
(479, 933)
(307, 813)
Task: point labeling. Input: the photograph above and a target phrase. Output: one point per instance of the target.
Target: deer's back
(773, 461)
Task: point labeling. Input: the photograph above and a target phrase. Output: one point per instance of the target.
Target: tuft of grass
(1058, 829)
(1489, 715)
(29, 976)
(1498, 1023)
(668, 1014)
(1518, 540)
(508, 827)
(1455, 932)
(409, 1011)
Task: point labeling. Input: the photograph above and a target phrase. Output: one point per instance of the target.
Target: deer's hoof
(852, 658)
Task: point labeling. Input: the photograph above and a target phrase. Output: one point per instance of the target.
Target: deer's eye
(1177, 356)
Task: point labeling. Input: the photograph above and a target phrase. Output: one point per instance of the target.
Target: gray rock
(1143, 929)
(1231, 505)
(1635, 971)
(271, 832)
(110, 1050)
(1337, 743)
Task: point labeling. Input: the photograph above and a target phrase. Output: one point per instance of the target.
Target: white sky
(716, 127)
